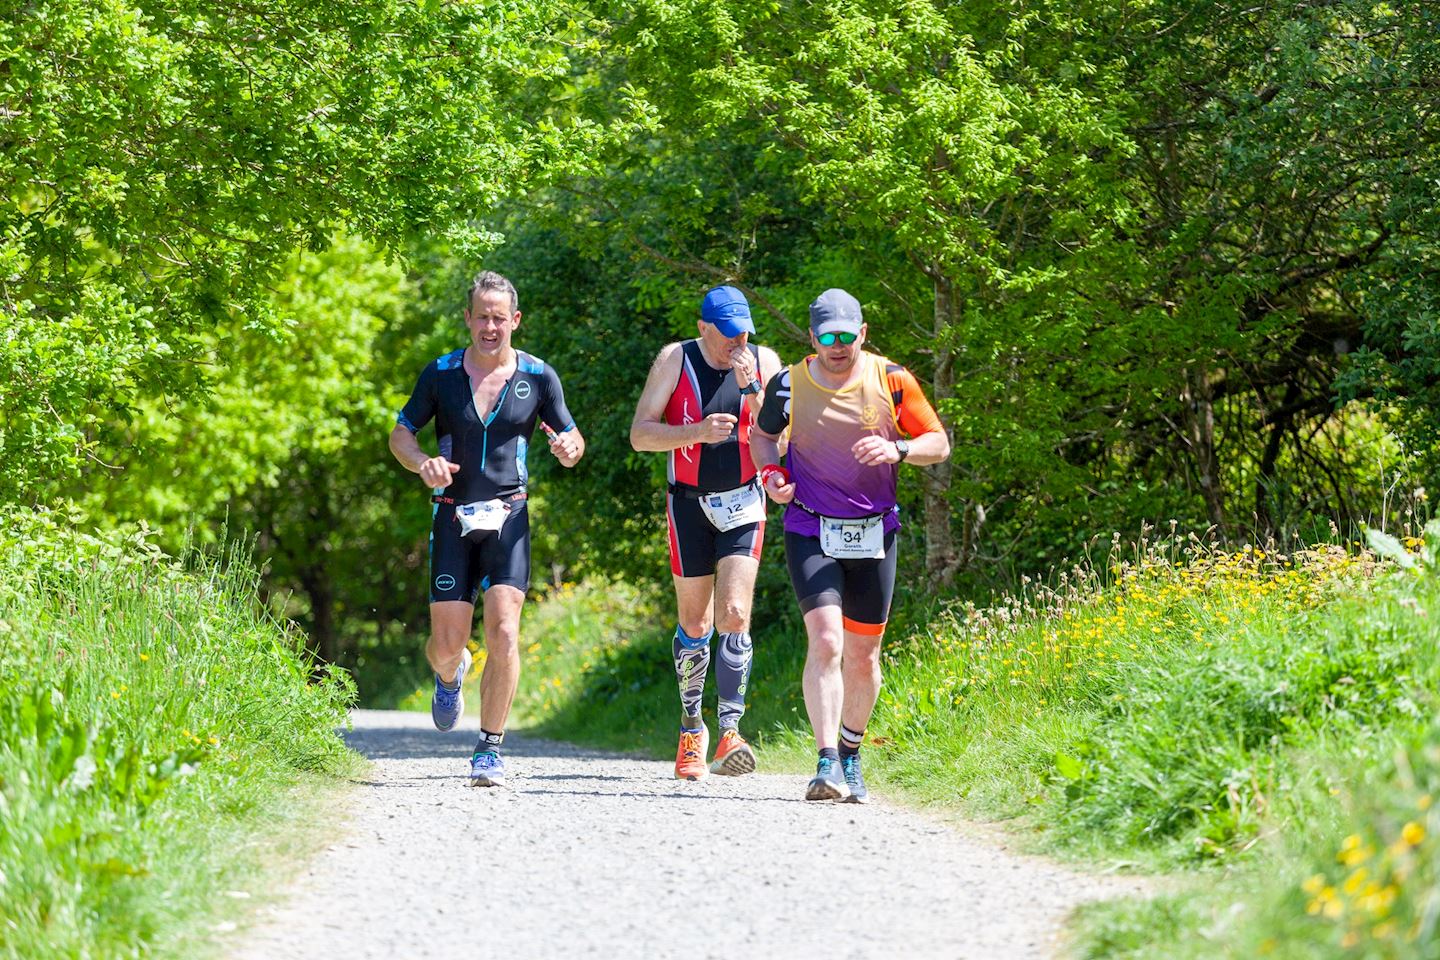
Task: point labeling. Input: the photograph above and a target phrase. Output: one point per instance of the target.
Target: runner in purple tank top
(847, 413)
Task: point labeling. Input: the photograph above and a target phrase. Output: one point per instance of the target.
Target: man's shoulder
(529, 363)
(454, 360)
(892, 369)
(671, 353)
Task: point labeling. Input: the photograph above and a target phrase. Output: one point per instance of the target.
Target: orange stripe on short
(865, 629)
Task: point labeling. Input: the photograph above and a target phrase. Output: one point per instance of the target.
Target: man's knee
(733, 616)
(827, 643)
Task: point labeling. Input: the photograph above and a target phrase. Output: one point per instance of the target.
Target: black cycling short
(460, 569)
(695, 544)
(862, 589)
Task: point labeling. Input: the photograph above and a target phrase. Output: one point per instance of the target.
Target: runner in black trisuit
(486, 401)
(698, 406)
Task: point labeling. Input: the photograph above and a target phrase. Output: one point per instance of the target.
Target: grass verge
(154, 724)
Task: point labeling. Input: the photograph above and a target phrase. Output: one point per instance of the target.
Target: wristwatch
(902, 448)
(752, 387)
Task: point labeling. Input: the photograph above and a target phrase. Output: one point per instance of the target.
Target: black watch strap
(752, 387)
(902, 448)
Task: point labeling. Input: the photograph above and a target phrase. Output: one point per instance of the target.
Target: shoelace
(690, 744)
(444, 695)
(488, 760)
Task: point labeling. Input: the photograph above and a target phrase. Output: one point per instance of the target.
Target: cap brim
(734, 326)
(837, 326)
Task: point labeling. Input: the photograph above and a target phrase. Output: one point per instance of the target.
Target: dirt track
(590, 855)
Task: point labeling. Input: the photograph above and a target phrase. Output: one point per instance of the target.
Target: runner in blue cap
(698, 405)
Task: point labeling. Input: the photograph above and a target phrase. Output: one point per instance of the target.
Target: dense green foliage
(150, 717)
(160, 163)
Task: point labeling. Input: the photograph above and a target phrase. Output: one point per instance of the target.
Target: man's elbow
(943, 453)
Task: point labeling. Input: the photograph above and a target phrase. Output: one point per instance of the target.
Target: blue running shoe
(446, 704)
(487, 770)
(854, 779)
(828, 783)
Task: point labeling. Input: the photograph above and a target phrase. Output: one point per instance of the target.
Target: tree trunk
(942, 558)
(321, 593)
(1199, 403)
(1265, 478)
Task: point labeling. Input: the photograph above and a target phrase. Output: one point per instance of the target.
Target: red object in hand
(771, 470)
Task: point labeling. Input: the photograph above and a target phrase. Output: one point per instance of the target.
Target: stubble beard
(839, 368)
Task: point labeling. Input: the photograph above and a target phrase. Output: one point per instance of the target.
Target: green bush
(148, 713)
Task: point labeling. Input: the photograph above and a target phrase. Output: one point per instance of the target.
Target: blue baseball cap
(728, 310)
(835, 311)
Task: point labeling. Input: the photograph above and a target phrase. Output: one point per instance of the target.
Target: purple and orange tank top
(824, 424)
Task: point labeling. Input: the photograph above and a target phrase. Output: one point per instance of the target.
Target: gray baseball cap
(835, 311)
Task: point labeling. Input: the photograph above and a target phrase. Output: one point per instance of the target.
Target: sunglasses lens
(828, 339)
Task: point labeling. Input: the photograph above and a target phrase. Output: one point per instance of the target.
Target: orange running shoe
(733, 756)
(690, 757)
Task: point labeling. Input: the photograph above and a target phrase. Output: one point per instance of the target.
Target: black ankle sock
(830, 753)
(489, 741)
(846, 750)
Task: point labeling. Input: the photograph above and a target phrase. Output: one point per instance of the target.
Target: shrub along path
(592, 854)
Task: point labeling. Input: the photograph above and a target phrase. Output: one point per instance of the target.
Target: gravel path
(592, 855)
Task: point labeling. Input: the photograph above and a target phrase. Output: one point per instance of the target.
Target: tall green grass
(152, 719)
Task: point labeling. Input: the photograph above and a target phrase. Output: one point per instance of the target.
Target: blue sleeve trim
(568, 427)
(404, 421)
(529, 364)
(450, 360)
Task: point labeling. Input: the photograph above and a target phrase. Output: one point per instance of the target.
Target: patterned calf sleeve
(692, 660)
(732, 675)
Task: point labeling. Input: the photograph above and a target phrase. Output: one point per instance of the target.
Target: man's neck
(480, 365)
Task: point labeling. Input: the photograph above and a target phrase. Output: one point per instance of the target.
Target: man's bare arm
(435, 471)
(648, 430)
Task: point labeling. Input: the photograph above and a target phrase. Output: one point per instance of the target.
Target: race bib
(481, 515)
(734, 508)
(853, 539)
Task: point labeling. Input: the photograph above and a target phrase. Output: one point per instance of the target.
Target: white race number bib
(482, 515)
(729, 509)
(853, 539)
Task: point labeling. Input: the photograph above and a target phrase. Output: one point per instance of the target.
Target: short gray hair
(489, 281)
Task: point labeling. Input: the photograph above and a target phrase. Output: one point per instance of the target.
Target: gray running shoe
(828, 783)
(487, 770)
(446, 704)
(854, 779)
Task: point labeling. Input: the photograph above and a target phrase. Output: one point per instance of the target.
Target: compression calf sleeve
(732, 675)
(692, 660)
